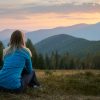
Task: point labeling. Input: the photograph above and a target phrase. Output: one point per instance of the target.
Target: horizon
(48, 28)
(35, 15)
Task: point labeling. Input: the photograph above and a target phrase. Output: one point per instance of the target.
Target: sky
(39, 14)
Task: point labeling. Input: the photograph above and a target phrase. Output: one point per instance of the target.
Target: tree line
(58, 61)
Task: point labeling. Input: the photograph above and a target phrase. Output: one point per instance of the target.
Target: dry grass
(62, 85)
(41, 73)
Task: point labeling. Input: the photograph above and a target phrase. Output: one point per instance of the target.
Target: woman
(17, 72)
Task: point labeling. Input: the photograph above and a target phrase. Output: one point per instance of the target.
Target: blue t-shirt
(14, 63)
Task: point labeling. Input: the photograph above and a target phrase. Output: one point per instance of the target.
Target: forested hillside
(61, 61)
(64, 43)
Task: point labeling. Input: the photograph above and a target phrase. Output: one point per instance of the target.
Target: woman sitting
(17, 72)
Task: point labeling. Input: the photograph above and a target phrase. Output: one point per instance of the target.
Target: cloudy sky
(37, 14)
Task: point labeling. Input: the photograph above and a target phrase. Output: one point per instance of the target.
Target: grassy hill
(65, 43)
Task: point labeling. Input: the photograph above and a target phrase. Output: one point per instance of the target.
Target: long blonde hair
(17, 41)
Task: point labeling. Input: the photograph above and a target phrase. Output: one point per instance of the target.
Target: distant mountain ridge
(37, 36)
(5, 34)
(85, 31)
(65, 43)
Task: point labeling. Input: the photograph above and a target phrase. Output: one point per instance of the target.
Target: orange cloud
(50, 20)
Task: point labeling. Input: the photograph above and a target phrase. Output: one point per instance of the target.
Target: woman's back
(14, 62)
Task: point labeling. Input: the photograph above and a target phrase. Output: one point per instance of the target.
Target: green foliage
(63, 61)
(40, 62)
(1, 53)
(96, 61)
(47, 62)
(30, 45)
(64, 43)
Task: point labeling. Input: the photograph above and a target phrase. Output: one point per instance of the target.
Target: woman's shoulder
(28, 50)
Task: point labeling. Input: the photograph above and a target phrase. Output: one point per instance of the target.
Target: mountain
(5, 34)
(65, 43)
(86, 31)
(38, 35)
(91, 32)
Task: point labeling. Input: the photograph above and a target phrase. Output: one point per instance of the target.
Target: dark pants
(27, 80)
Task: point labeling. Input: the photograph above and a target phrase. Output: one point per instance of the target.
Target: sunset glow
(37, 14)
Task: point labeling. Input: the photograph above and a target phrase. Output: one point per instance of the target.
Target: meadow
(61, 85)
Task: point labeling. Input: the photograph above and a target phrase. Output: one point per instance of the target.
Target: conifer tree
(30, 45)
(1, 53)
